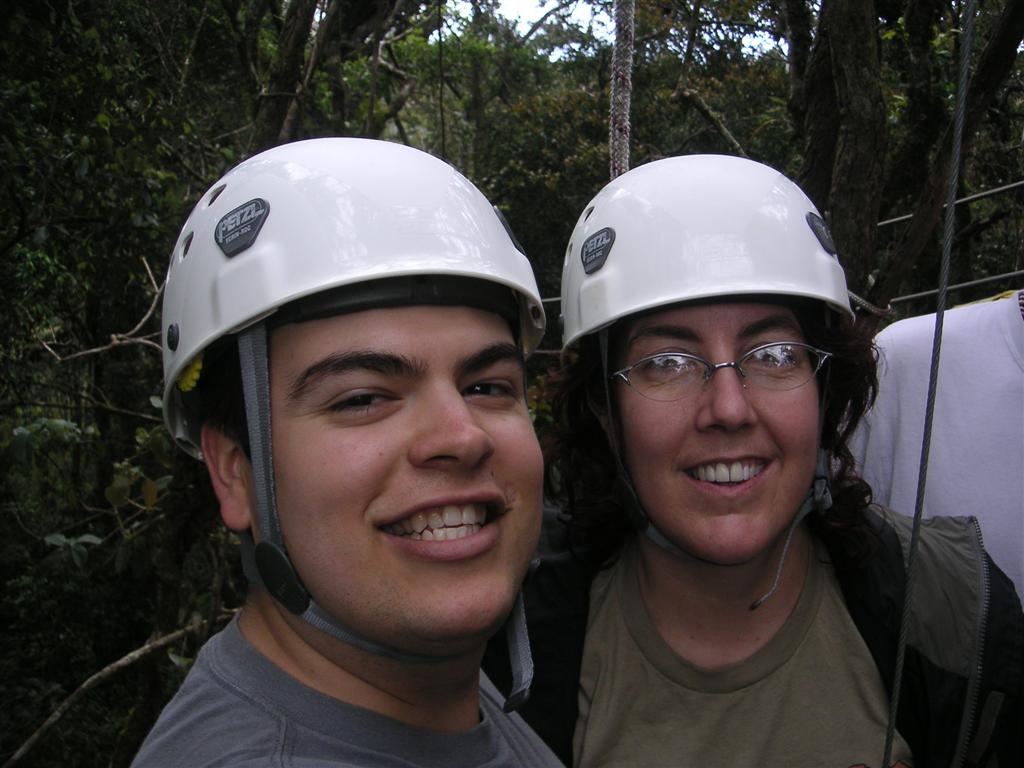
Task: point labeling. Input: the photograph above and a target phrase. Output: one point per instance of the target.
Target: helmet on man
(304, 218)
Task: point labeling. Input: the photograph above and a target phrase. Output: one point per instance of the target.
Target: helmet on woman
(695, 227)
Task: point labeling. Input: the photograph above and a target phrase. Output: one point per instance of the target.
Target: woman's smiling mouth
(720, 472)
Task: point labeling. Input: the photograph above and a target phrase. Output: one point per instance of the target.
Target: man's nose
(448, 432)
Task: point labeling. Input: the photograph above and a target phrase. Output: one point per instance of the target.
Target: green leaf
(181, 662)
(149, 493)
(160, 445)
(117, 492)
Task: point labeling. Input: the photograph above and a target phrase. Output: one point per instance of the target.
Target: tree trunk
(797, 21)
(858, 171)
(820, 114)
(285, 76)
(993, 66)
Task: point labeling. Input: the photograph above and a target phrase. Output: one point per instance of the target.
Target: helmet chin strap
(267, 564)
(819, 499)
(819, 496)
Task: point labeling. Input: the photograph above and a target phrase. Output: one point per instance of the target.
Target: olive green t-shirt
(811, 697)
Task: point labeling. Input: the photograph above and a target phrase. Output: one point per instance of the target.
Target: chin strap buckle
(279, 577)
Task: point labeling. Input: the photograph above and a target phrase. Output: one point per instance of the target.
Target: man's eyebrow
(488, 356)
(334, 365)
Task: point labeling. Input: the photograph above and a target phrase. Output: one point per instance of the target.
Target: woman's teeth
(441, 524)
(737, 472)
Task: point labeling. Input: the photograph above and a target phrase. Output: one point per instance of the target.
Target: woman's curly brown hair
(581, 471)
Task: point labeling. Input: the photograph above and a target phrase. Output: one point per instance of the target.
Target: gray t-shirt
(236, 708)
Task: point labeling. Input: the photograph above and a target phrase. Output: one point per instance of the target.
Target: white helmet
(306, 217)
(695, 227)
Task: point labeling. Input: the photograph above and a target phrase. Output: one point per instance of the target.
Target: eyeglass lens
(671, 376)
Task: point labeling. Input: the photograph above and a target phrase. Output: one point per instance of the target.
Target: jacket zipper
(974, 682)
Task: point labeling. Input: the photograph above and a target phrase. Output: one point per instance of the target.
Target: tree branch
(121, 339)
(540, 22)
(187, 63)
(683, 93)
(692, 33)
(104, 674)
(116, 340)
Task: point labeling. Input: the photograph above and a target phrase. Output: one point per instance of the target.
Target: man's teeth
(737, 472)
(441, 524)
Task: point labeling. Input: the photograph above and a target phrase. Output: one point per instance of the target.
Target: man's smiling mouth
(720, 472)
(441, 524)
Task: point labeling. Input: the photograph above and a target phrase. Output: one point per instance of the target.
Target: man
(345, 323)
(976, 458)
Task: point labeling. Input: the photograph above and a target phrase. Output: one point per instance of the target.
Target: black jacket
(963, 676)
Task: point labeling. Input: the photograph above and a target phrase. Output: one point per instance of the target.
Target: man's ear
(231, 476)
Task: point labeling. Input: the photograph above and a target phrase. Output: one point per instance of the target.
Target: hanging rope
(622, 88)
(440, 75)
(933, 375)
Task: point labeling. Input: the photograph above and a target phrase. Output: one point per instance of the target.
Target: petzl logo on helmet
(596, 248)
(820, 230)
(238, 229)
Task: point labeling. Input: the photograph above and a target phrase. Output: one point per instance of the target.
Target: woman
(746, 596)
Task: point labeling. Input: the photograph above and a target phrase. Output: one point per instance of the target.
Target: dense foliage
(115, 115)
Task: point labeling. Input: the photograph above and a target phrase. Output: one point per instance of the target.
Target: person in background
(344, 328)
(976, 455)
(722, 591)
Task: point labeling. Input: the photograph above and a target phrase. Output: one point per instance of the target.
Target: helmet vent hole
(589, 211)
(187, 244)
(215, 194)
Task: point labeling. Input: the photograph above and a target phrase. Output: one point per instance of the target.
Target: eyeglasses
(778, 367)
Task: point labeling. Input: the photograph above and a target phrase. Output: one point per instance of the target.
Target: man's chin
(459, 637)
